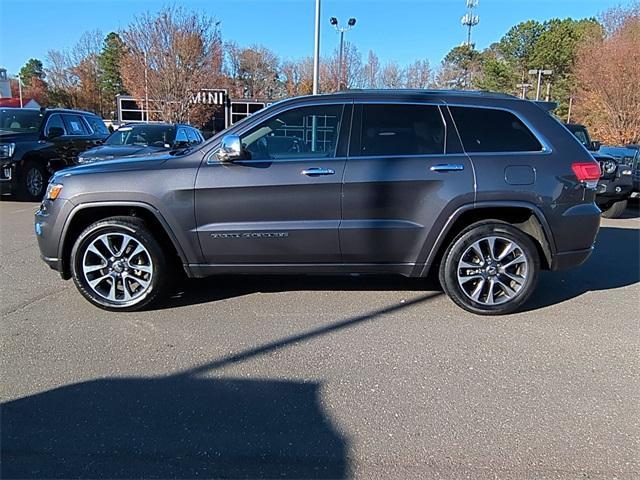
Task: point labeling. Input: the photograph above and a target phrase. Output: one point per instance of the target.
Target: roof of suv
(57, 110)
(417, 93)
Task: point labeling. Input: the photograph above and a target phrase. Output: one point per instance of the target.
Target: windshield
(142, 135)
(20, 120)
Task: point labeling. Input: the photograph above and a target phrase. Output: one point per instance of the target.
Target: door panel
(274, 208)
(392, 202)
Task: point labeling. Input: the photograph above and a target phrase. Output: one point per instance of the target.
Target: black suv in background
(486, 189)
(616, 184)
(142, 139)
(35, 143)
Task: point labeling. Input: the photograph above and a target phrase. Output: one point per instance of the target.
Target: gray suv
(486, 188)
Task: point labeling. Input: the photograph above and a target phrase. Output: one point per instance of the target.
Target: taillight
(587, 171)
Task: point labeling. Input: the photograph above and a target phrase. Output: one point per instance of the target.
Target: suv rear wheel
(117, 264)
(491, 268)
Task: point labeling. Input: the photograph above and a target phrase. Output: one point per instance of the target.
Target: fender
(434, 249)
(148, 207)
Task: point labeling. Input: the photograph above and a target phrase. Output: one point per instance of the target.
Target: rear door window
(492, 130)
(401, 129)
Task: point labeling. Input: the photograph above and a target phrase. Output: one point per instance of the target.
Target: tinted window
(20, 120)
(307, 132)
(97, 125)
(194, 138)
(74, 125)
(489, 130)
(54, 121)
(401, 130)
(144, 135)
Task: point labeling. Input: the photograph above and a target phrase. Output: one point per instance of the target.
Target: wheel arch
(85, 214)
(522, 215)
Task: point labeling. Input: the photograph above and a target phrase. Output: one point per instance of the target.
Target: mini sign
(208, 96)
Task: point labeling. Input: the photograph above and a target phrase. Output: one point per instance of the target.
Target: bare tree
(298, 77)
(170, 56)
(352, 71)
(254, 71)
(74, 75)
(392, 76)
(372, 71)
(418, 74)
(608, 77)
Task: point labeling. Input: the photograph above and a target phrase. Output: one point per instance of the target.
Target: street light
(539, 72)
(316, 50)
(350, 24)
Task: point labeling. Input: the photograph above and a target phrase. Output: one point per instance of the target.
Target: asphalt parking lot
(321, 377)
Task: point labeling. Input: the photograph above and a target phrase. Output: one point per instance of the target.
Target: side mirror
(55, 132)
(230, 149)
(595, 146)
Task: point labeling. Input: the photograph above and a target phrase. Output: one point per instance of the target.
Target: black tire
(616, 210)
(33, 181)
(158, 280)
(449, 268)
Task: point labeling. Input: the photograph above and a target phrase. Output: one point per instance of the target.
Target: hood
(117, 165)
(109, 152)
(17, 137)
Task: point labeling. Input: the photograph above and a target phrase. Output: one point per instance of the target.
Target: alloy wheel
(118, 268)
(493, 270)
(35, 182)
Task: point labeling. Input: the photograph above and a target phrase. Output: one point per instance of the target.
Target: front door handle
(447, 167)
(315, 171)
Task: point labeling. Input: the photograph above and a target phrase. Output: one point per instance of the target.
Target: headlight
(609, 166)
(53, 191)
(7, 149)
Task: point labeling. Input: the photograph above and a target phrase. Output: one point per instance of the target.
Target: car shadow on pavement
(614, 263)
(186, 425)
(215, 288)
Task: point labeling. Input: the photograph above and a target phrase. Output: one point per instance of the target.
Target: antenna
(470, 19)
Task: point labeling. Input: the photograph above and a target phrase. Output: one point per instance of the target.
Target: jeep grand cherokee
(486, 188)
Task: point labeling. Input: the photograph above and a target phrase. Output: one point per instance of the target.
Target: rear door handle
(447, 167)
(316, 171)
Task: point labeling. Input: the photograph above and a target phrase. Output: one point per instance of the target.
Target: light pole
(316, 50)
(350, 24)
(20, 89)
(540, 73)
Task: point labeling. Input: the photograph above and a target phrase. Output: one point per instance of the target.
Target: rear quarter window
(97, 125)
(492, 130)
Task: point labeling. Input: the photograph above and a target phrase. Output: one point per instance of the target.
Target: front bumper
(614, 189)
(48, 225)
(7, 176)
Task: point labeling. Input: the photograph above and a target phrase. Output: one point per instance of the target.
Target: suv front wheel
(117, 264)
(491, 268)
(33, 181)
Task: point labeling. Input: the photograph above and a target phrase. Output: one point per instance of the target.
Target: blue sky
(401, 30)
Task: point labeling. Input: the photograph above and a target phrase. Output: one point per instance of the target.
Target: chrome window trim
(211, 153)
(546, 148)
